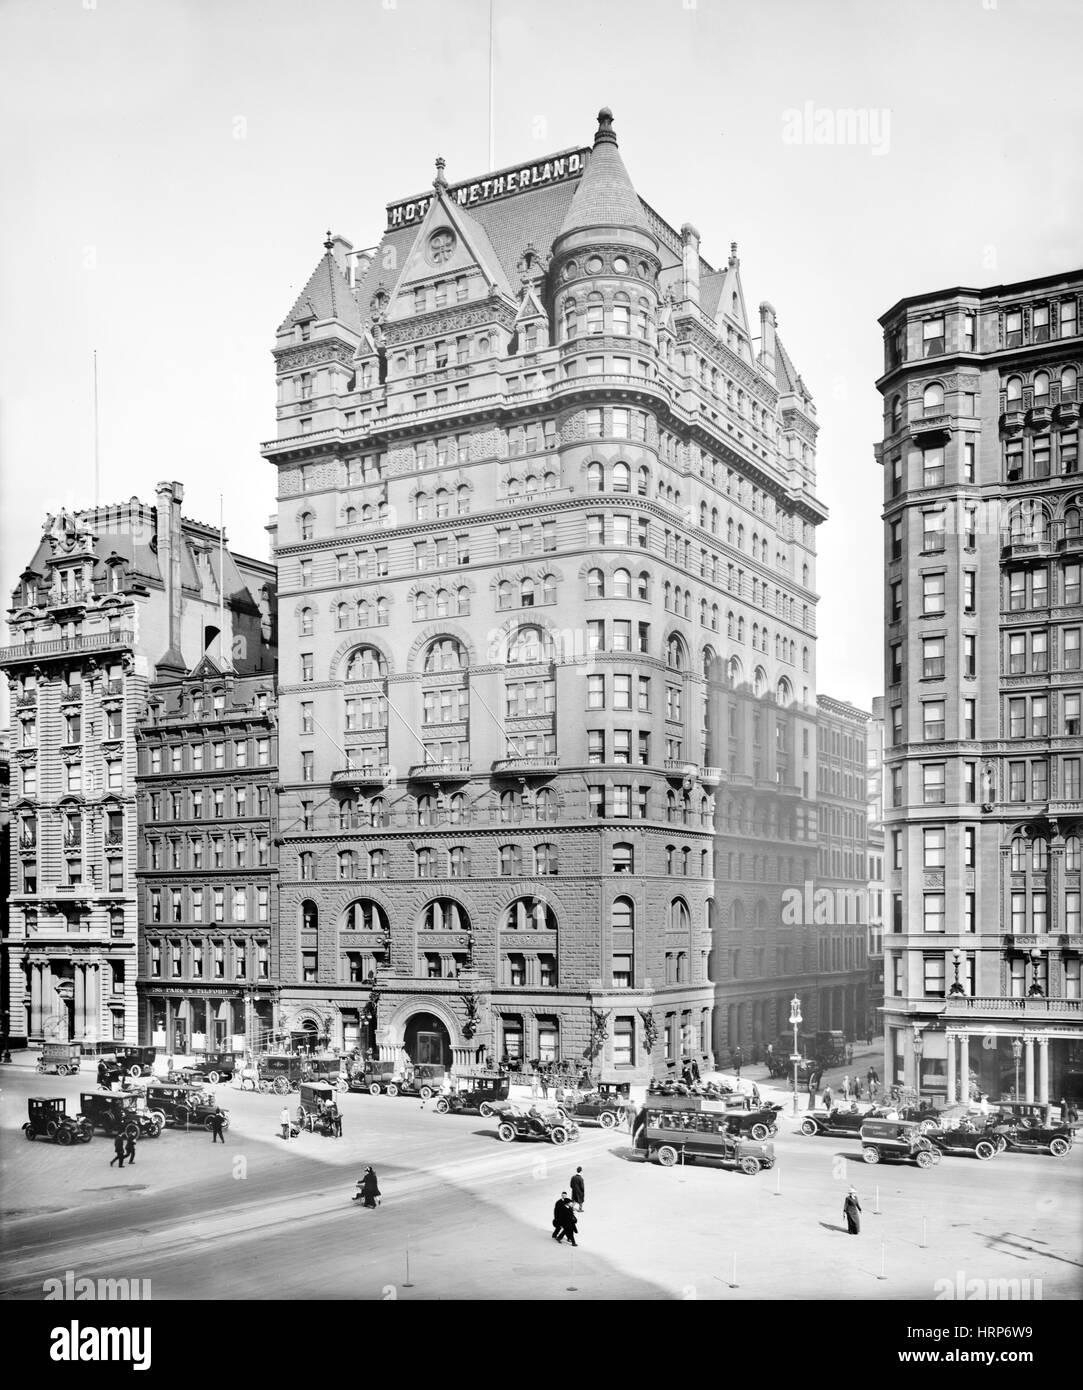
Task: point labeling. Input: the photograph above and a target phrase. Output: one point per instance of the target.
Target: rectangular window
(933, 720)
(622, 692)
(970, 655)
(933, 785)
(935, 841)
(933, 590)
(969, 847)
(932, 657)
(934, 976)
(933, 912)
(969, 598)
(932, 464)
(595, 692)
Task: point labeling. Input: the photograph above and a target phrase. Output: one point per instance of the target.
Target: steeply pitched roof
(605, 196)
(784, 368)
(326, 296)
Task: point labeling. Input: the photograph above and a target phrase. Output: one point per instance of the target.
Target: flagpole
(97, 469)
(221, 584)
(492, 49)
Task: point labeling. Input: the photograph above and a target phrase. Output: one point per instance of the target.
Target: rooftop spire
(605, 196)
(605, 134)
(439, 181)
(329, 242)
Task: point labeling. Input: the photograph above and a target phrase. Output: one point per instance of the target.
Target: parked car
(474, 1095)
(135, 1060)
(838, 1122)
(669, 1135)
(374, 1077)
(334, 1071)
(61, 1058)
(979, 1143)
(532, 1124)
(215, 1066)
(424, 1079)
(779, 1066)
(182, 1106)
(120, 1113)
(897, 1141)
(607, 1104)
(756, 1121)
(1035, 1138)
(47, 1118)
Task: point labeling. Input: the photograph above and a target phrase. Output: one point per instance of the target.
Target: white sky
(170, 168)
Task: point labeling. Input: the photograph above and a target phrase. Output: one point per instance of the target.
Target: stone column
(1043, 1070)
(909, 1060)
(79, 1020)
(964, 1067)
(94, 1000)
(35, 997)
(952, 1091)
(1028, 1064)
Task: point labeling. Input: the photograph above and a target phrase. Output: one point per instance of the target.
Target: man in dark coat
(738, 1061)
(118, 1151)
(558, 1215)
(370, 1189)
(851, 1209)
(129, 1149)
(568, 1223)
(579, 1189)
(218, 1121)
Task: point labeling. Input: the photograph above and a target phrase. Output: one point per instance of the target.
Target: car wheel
(28, 1131)
(506, 1133)
(135, 1070)
(558, 1134)
(213, 1077)
(64, 1136)
(925, 1159)
(155, 1132)
(392, 1089)
(870, 1155)
(160, 1116)
(442, 1107)
(809, 1127)
(1001, 1143)
(1059, 1147)
(425, 1093)
(607, 1119)
(983, 1149)
(282, 1086)
(751, 1166)
(42, 1068)
(86, 1133)
(374, 1089)
(667, 1155)
(341, 1085)
(131, 1131)
(485, 1110)
(51, 1128)
(759, 1132)
(926, 1126)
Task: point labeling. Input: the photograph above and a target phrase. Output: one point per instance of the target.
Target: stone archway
(426, 1040)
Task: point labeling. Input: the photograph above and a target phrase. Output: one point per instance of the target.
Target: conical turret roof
(326, 296)
(605, 196)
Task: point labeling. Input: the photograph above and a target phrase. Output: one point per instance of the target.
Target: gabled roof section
(785, 370)
(531, 307)
(326, 296)
(605, 196)
(730, 301)
(206, 666)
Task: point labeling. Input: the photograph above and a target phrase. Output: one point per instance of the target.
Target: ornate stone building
(207, 772)
(983, 798)
(546, 549)
(111, 598)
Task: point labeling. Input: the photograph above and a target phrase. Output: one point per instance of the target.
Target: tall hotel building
(112, 599)
(546, 545)
(983, 802)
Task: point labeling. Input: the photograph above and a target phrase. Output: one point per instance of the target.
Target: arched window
(527, 647)
(1068, 379)
(622, 478)
(546, 806)
(342, 616)
(666, 591)
(382, 613)
(1041, 387)
(421, 607)
(306, 622)
(425, 863)
(462, 499)
(443, 603)
(740, 536)
(1072, 526)
(428, 811)
(759, 681)
(896, 412)
(445, 654)
(595, 584)
(549, 588)
(310, 915)
(735, 671)
(703, 610)
(545, 859)
(1013, 389)
(421, 506)
(622, 583)
(679, 917)
(364, 615)
(595, 477)
(643, 481)
(623, 858)
(511, 861)
(530, 914)
(350, 516)
(714, 521)
(515, 487)
(643, 585)
(1073, 857)
(785, 691)
(503, 594)
(462, 597)
(932, 399)
(443, 502)
(1019, 855)
(526, 593)
(365, 663)
(703, 515)
(444, 914)
(530, 485)
(804, 576)
(364, 915)
(306, 524)
(675, 654)
(550, 482)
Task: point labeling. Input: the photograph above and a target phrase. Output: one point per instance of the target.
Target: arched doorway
(426, 1040)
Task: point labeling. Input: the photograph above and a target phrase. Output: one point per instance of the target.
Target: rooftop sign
(558, 168)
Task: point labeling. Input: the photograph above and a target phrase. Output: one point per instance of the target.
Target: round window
(644, 270)
(620, 265)
(570, 270)
(441, 245)
(594, 265)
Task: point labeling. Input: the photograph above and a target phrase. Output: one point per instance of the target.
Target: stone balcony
(370, 775)
(528, 765)
(441, 772)
(64, 646)
(1036, 1008)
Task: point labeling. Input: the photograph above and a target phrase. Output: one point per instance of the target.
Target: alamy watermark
(863, 126)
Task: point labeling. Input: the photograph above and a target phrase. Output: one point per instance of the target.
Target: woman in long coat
(370, 1189)
(851, 1209)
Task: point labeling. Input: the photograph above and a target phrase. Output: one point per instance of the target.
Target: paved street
(262, 1218)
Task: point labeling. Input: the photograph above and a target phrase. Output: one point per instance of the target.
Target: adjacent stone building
(984, 802)
(546, 545)
(207, 774)
(112, 598)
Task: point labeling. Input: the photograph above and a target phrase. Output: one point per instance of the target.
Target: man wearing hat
(851, 1209)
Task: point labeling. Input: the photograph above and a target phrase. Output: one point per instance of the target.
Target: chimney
(767, 339)
(168, 510)
(340, 249)
(690, 237)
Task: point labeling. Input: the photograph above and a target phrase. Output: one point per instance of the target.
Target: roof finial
(329, 242)
(439, 181)
(605, 132)
(733, 253)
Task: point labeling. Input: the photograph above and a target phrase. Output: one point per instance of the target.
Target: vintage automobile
(313, 1112)
(755, 1121)
(1030, 1135)
(779, 1065)
(135, 1060)
(120, 1113)
(183, 1107)
(48, 1118)
(607, 1104)
(60, 1058)
(214, 1067)
(280, 1073)
(109, 1071)
(474, 1095)
(979, 1143)
(672, 1135)
(838, 1122)
(332, 1070)
(424, 1079)
(897, 1141)
(374, 1077)
(516, 1123)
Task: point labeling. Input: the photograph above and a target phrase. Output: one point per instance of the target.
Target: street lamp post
(919, 1047)
(795, 1023)
(957, 961)
(1017, 1052)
